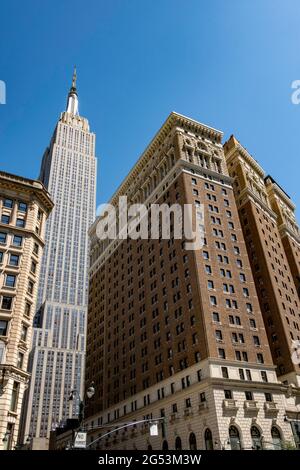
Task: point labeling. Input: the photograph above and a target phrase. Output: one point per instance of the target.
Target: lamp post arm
(124, 426)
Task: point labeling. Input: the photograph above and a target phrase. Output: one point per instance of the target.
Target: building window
(218, 334)
(14, 260)
(268, 396)
(260, 358)
(248, 396)
(216, 317)
(20, 223)
(24, 333)
(14, 396)
(3, 237)
(20, 360)
(5, 219)
(228, 394)
(6, 302)
(36, 249)
(248, 374)
(8, 203)
(202, 397)
(264, 376)
(234, 438)
(30, 287)
(221, 353)
(33, 267)
(256, 438)
(17, 240)
(208, 440)
(241, 374)
(178, 444)
(224, 372)
(3, 327)
(2, 351)
(188, 403)
(213, 300)
(22, 206)
(276, 438)
(10, 280)
(193, 441)
(27, 309)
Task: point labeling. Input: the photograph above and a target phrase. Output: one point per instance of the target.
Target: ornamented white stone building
(57, 358)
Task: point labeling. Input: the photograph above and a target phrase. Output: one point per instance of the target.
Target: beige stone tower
(24, 207)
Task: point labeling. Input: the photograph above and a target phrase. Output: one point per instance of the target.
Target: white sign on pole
(153, 429)
(80, 440)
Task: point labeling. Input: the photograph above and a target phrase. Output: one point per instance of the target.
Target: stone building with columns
(24, 207)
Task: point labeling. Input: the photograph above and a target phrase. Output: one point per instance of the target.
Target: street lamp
(90, 392)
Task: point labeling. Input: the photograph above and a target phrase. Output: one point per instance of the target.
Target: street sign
(80, 440)
(153, 429)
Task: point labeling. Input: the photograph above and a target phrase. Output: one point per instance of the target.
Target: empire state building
(68, 171)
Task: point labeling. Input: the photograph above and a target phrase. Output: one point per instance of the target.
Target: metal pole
(133, 423)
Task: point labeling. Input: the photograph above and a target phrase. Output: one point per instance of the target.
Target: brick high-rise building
(287, 225)
(180, 333)
(272, 239)
(24, 207)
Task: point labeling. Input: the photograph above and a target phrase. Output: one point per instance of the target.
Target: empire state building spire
(72, 103)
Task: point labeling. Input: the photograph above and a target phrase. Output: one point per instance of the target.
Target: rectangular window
(6, 302)
(221, 353)
(27, 309)
(248, 395)
(17, 240)
(20, 222)
(268, 396)
(24, 333)
(14, 396)
(3, 237)
(36, 249)
(33, 267)
(202, 397)
(224, 372)
(20, 360)
(216, 317)
(1, 257)
(14, 260)
(22, 206)
(5, 219)
(264, 376)
(228, 394)
(3, 327)
(10, 280)
(8, 203)
(241, 374)
(30, 287)
(260, 358)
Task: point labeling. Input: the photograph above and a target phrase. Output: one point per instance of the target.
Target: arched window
(149, 447)
(256, 438)
(208, 440)
(165, 445)
(193, 441)
(234, 438)
(276, 438)
(178, 444)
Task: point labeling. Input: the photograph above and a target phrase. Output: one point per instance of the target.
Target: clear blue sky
(227, 63)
